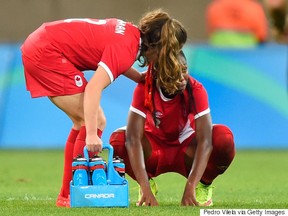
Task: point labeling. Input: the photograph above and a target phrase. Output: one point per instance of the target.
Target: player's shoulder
(194, 81)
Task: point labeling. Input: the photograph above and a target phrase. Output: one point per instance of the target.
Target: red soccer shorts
(47, 71)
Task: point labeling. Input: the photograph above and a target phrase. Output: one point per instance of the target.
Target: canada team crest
(78, 81)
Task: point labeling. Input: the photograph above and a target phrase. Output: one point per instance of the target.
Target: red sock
(68, 158)
(80, 143)
(222, 154)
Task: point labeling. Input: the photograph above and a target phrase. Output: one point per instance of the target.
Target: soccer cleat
(63, 201)
(154, 189)
(204, 194)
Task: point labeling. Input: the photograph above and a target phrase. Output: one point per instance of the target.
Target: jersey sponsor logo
(99, 196)
(78, 81)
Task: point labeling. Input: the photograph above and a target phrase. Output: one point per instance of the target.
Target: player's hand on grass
(189, 196)
(94, 143)
(147, 199)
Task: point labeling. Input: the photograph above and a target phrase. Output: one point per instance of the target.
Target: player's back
(83, 41)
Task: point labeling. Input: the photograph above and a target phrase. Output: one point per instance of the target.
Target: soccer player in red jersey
(56, 54)
(170, 130)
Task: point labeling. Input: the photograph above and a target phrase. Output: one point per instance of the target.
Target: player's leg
(81, 139)
(117, 140)
(222, 155)
(72, 105)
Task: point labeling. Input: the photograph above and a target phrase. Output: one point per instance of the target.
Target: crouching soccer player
(170, 130)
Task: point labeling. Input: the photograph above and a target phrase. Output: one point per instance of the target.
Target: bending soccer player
(56, 54)
(170, 130)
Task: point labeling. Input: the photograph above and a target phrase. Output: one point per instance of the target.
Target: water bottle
(97, 168)
(80, 171)
(119, 166)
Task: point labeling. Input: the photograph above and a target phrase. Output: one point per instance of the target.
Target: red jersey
(87, 43)
(174, 119)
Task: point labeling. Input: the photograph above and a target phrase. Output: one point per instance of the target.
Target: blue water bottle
(80, 171)
(97, 168)
(119, 166)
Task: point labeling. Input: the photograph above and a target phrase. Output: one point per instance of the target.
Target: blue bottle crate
(113, 194)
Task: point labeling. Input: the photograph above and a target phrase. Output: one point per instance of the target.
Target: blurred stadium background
(247, 88)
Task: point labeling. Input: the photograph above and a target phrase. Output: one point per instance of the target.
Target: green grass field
(30, 181)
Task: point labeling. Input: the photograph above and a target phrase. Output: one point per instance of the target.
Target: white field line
(30, 197)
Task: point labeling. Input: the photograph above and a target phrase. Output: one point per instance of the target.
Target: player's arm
(134, 75)
(135, 131)
(99, 81)
(202, 154)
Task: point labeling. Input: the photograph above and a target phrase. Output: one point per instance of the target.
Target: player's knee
(77, 122)
(223, 139)
(117, 140)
